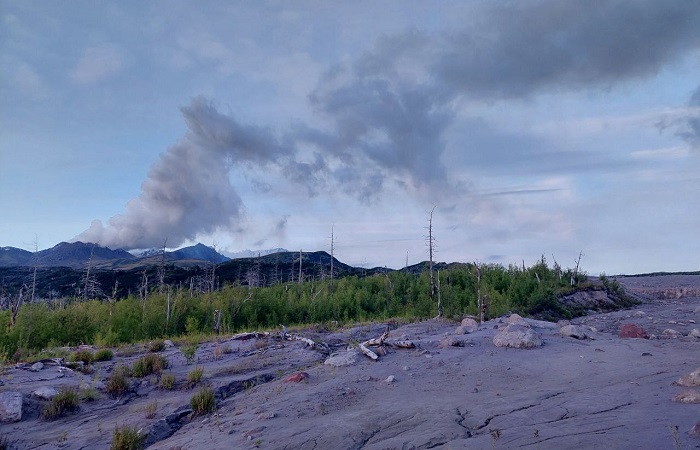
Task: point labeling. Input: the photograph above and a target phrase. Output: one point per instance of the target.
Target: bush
(84, 355)
(118, 383)
(149, 364)
(104, 354)
(150, 410)
(65, 401)
(194, 376)
(188, 352)
(156, 346)
(88, 394)
(127, 438)
(167, 381)
(203, 402)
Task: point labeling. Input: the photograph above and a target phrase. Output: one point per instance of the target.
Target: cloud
(98, 63)
(384, 119)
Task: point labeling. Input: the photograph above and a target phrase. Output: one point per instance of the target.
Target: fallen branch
(368, 352)
(401, 344)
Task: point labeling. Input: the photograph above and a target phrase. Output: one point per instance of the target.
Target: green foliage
(127, 438)
(62, 403)
(156, 346)
(188, 351)
(194, 376)
(167, 381)
(85, 356)
(104, 354)
(148, 365)
(531, 290)
(203, 401)
(118, 381)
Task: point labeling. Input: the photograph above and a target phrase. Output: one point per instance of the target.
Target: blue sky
(534, 128)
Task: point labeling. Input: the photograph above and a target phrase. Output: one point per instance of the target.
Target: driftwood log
(379, 342)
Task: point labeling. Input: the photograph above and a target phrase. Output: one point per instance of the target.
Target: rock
(574, 331)
(390, 379)
(632, 331)
(639, 314)
(517, 319)
(469, 325)
(342, 359)
(690, 380)
(10, 406)
(671, 333)
(267, 415)
(168, 343)
(37, 366)
(688, 396)
(45, 393)
(695, 431)
(460, 330)
(695, 332)
(697, 310)
(297, 377)
(563, 323)
(516, 335)
(451, 341)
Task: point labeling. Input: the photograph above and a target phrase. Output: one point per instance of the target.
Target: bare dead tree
(557, 267)
(161, 268)
(479, 299)
(36, 264)
(330, 289)
(430, 242)
(300, 276)
(438, 295)
(91, 288)
(575, 273)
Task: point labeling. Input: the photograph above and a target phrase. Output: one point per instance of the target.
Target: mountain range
(77, 255)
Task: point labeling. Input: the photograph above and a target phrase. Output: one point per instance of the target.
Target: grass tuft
(149, 365)
(203, 402)
(127, 438)
(64, 402)
(118, 382)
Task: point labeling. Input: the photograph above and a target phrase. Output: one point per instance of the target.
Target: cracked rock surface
(603, 392)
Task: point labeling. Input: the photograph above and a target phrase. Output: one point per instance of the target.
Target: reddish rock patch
(297, 377)
(631, 331)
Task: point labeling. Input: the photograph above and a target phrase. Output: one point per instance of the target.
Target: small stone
(695, 431)
(671, 333)
(405, 368)
(37, 366)
(266, 415)
(646, 354)
(697, 309)
(168, 343)
(691, 321)
(573, 331)
(390, 379)
(688, 396)
(632, 331)
(639, 314)
(695, 332)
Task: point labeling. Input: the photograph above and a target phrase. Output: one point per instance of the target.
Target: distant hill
(12, 257)
(255, 253)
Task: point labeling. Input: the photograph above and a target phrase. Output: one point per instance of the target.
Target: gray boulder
(45, 393)
(516, 335)
(468, 325)
(37, 366)
(10, 406)
(342, 359)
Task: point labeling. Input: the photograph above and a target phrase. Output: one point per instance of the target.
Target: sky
(542, 128)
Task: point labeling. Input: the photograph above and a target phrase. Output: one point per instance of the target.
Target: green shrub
(203, 401)
(64, 402)
(167, 381)
(104, 354)
(150, 410)
(127, 438)
(194, 376)
(156, 346)
(118, 382)
(188, 352)
(88, 394)
(85, 356)
(148, 365)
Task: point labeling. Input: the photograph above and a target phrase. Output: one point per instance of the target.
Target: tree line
(167, 311)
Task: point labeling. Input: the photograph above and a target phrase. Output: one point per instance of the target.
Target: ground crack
(602, 430)
(611, 409)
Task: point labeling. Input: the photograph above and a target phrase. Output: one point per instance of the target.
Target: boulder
(168, 343)
(45, 393)
(697, 309)
(297, 377)
(516, 335)
(342, 359)
(468, 325)
(37, 366)
(671, 333)
(517, 319)
(695, 332)
(690, 380)
(632, 331)
(574, 331)
(689, 396)
(451, 341)
(10, 406)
